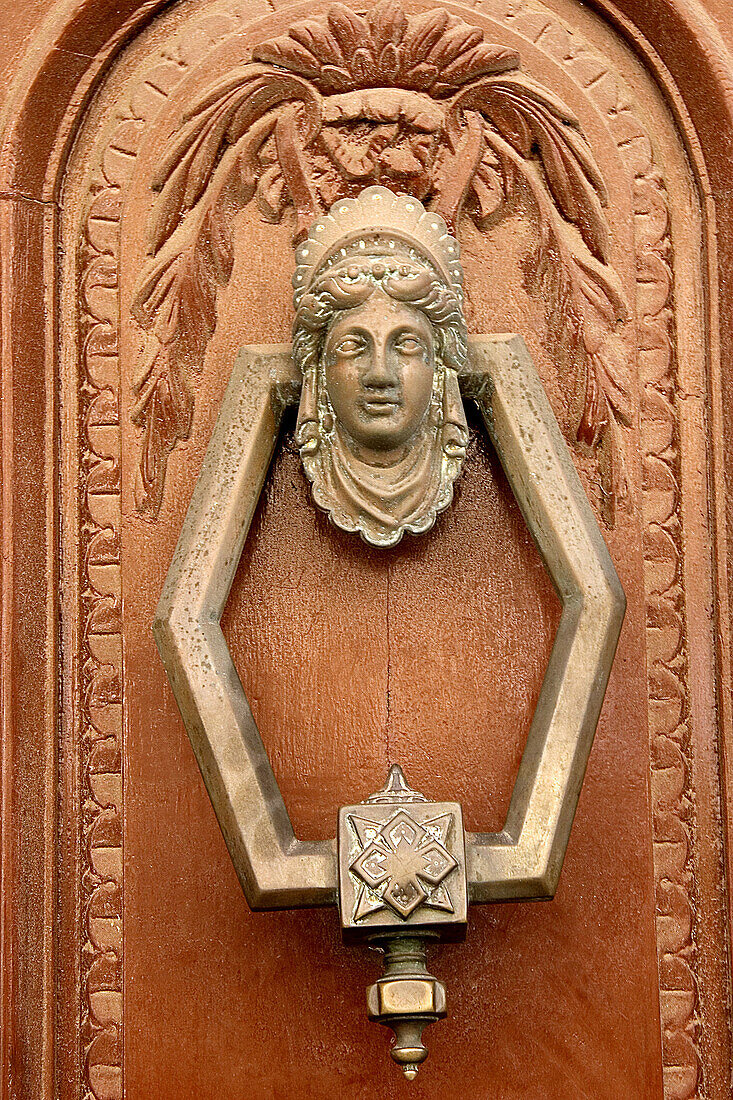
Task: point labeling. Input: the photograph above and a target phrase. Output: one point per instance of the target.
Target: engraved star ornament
(402, 864)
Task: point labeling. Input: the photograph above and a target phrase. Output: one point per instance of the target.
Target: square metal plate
(402, 867)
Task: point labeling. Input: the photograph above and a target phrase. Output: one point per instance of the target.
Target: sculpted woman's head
(379, 336)
(378, 366)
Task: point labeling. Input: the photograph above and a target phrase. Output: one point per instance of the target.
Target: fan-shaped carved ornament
(420, 104)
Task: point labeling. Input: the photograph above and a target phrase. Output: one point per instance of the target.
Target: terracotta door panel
(132, 964)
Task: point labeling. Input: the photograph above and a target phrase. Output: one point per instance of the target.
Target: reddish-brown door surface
(131, 964)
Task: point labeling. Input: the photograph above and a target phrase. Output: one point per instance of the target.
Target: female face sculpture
(379, 336)
(378, 369)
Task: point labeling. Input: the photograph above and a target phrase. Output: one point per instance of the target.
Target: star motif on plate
(402, 864)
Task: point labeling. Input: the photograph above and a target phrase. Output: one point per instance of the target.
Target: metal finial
(396, 789)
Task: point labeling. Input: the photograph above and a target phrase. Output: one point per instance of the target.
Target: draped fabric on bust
(385, 498)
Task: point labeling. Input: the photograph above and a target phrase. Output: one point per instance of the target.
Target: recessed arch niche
(105, 871)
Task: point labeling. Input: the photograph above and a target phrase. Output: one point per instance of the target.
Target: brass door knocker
(379, 361)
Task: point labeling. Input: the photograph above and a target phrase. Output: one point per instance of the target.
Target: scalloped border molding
(42, 115)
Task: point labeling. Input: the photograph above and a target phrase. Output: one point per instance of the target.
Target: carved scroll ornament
(420, 104)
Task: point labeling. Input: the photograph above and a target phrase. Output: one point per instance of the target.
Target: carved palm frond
(209, 174)
(509, 128)
(431, 52)
(301, 126)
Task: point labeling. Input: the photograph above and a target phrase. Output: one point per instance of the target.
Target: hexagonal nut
(406, 996)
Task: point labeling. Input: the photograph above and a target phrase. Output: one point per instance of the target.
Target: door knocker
(379, 361)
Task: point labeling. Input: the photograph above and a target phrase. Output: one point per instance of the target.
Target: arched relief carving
(300, 125)
(660, 504)
(661, 509)
(102, 675)
(531, 150)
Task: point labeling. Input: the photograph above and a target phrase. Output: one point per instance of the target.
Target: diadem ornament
(377, 222)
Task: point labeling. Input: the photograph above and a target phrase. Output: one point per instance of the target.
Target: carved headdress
(389, 244)
(377, 222)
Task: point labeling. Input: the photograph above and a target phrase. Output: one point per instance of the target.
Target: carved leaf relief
(420, 104)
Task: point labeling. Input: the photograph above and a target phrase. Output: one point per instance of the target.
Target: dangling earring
(436, 416)
(306, 430)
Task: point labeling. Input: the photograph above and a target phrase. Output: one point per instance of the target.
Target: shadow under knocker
(379, 360)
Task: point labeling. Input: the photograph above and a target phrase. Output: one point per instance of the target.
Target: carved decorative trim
(102, 664)
(672, 794)
(102, 716)
(454, 123)
(671, 790)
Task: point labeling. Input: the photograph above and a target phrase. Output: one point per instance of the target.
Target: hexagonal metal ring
(276, 869)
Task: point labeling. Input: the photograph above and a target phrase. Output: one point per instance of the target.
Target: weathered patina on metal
(404, 867)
